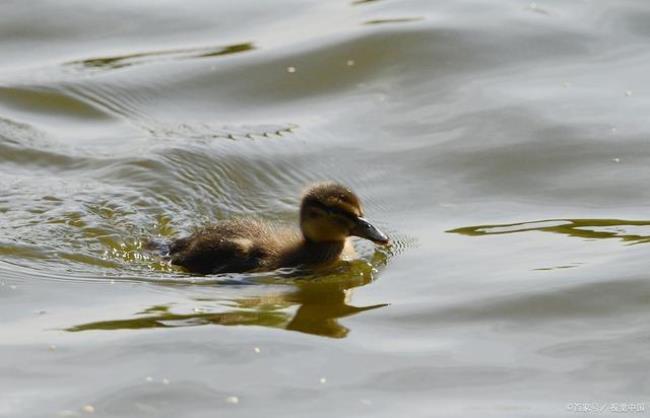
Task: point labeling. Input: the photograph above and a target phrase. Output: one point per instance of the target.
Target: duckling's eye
(342, 220)
(317, 212)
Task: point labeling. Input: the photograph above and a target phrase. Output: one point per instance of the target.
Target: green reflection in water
(355, 2)
(121, 61)
(625, 230)
(393, 20)
(312, 305)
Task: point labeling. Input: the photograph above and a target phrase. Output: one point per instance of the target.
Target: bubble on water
(89, 409)
(533, 5)
(350, 63)
(257, 350)
(628, 93)
(149, 379)
(232, 400)
(291, 69)
(165, 381)
(616, 160)
(52, 347)
(323, 380)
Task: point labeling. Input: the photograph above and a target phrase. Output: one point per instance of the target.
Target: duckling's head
(330, 212)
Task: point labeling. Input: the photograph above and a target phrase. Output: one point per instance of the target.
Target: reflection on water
(310, 305)
(634, 232)
(393, 20)
(355, 2)
(121, 61)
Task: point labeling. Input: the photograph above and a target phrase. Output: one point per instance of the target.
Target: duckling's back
(233, 246)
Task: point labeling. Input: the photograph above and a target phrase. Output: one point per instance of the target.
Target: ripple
(91, 228)
(209, 131)
(47, 100)
(447, 378)
(568, 303)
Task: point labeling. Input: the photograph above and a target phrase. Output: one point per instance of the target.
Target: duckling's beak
(364, 229)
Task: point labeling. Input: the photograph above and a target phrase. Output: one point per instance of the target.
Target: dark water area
(504, 147)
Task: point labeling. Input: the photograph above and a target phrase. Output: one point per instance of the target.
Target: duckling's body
(329, 214)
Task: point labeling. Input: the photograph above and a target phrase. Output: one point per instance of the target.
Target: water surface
(504, 146)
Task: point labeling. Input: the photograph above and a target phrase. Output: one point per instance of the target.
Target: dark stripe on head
(331, 209)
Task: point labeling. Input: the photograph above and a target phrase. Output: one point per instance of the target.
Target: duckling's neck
(310, 253)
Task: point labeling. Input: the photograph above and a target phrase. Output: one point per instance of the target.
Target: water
(505, 147)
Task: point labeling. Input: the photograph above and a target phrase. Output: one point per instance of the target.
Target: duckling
(329, 214)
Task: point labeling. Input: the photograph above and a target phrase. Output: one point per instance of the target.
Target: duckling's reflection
(320, 303)
(319, 309)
